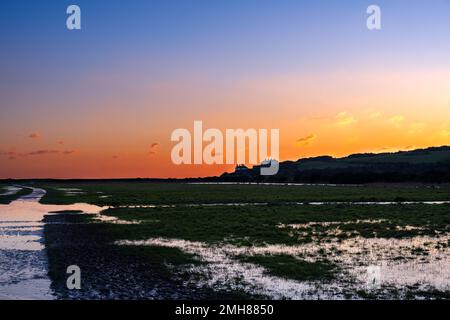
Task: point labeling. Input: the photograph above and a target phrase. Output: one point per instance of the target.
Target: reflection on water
(71, 191)
(424, 265)
(23, 262)
(10, 191)
(225, 272)
(277, 184)
(114, 220)
(328, 223)
(422, 262)
(254, 204)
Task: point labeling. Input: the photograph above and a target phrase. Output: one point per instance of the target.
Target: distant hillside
(421, 165)
(430, 165)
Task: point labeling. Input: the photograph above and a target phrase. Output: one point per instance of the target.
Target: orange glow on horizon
(333, 114)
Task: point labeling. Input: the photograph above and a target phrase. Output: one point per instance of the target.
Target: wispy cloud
(375, 115)
(345, 119)
(42, 152)
(34, 135)
(307, 140)
(15, 154)
(7, 153)
(416, 127)
(397, 120)
(154, 148)
(445, 133)
(11, 155)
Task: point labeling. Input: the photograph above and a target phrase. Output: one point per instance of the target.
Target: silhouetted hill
(430, 165)
(421, 165)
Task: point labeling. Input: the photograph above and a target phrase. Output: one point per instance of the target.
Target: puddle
(399, 263)
(245, 204)
(329, 223)
(226, 273)
(10, 190)
(23, 262)
(381, 203)
(114, 220)
(71, 191)
(276, 184)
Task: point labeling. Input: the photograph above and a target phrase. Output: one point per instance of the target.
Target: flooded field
(345, 249)
(379, 268)
(23, 260)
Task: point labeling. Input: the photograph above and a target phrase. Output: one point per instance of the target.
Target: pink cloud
(307, 140)
(14, 154)
(153, 148)
(43, 152)
(34, 135)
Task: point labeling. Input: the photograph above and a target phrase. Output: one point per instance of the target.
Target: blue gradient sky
(139, 69)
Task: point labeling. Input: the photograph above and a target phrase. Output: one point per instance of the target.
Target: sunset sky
(103, 101)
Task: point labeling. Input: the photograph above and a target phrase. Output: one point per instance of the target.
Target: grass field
(257, 225)
(176, 246)
(131, 193)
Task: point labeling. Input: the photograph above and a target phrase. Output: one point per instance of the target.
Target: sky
(102, 102)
